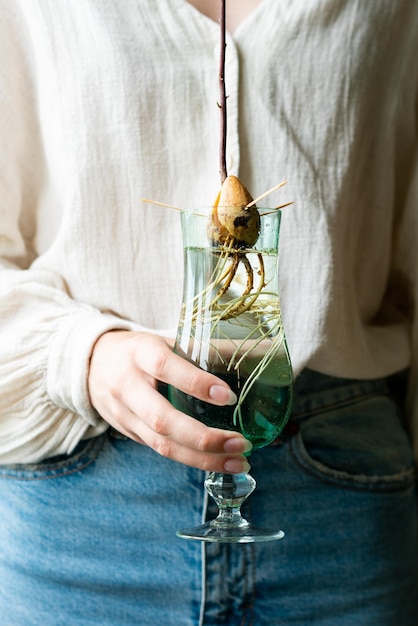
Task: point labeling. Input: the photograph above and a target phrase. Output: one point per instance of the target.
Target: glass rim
(203, 210)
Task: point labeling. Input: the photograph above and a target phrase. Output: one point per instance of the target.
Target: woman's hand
(124, 369)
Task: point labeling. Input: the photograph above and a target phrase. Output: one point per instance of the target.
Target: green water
(263, 414)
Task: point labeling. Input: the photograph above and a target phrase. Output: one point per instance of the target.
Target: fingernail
(222, 395)
(236, 466)
(237, 444)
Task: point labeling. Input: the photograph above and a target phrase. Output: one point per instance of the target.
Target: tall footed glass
(231, 325)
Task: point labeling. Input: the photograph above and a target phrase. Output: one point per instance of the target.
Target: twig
(222, 93)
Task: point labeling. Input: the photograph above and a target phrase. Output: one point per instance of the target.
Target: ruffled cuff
(69, 356)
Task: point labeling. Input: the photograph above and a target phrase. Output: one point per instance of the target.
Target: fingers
(178, 436)
(124, 370)
(168, 367)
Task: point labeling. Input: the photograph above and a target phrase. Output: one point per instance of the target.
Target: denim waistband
(313, 392)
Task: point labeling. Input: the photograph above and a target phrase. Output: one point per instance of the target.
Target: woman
(101, 105)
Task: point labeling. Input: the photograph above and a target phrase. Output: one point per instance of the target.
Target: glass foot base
(245, 533)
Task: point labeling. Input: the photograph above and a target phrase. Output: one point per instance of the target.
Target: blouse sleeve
(46, 338)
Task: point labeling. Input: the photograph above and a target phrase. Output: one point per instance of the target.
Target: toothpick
(281, 206)
(266, 193)
(168, 206)
(277, 208)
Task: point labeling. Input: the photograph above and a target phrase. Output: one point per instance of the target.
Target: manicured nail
(237, 444)
(236, 466)
(222, 395)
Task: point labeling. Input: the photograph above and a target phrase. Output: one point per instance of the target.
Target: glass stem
(229, 492)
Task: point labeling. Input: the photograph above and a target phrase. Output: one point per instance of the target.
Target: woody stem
(222, 94)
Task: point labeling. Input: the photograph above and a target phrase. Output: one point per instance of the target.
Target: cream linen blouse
(102, 103)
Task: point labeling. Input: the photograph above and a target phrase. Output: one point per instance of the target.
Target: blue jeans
(90, 539)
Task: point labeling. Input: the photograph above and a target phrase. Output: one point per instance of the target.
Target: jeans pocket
(359, 445)
(85, 453)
